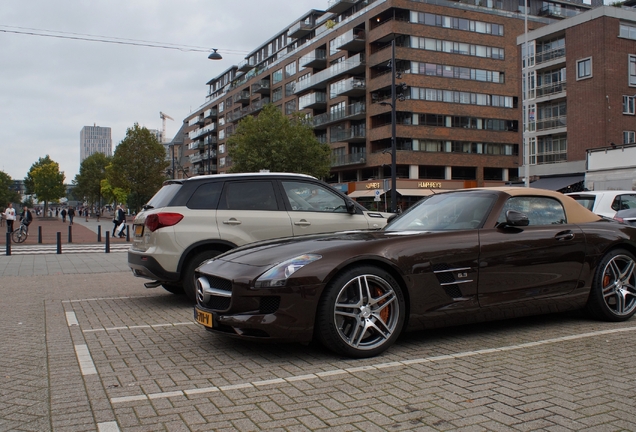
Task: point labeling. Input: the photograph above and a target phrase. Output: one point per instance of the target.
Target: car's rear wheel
(174, 289)
(361, 313)
(613, 294)
(189, 282)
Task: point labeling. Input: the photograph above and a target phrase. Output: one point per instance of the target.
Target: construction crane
(163, 130)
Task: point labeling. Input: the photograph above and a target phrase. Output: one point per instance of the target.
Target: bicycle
(20, 235)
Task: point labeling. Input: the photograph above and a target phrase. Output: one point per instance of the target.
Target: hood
(271, 252)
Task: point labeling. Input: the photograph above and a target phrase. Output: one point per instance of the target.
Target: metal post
(107, 245)
(393, 132)
(40, 234)
(99, 233)
(8, 251)
(172, 160)
(70, 234)
(127, 232)
(59, 242)
(526, 118)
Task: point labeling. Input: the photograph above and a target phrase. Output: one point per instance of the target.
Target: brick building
(581, 92)
(458, 81)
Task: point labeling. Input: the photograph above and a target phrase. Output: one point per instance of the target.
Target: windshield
(449, 211)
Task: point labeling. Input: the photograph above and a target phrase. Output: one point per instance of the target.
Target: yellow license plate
(203, 318)
(139, 230)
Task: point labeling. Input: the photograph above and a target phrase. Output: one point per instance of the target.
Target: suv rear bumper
(146, 266)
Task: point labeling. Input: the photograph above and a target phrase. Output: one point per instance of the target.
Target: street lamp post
(213, 56)
(393, 132)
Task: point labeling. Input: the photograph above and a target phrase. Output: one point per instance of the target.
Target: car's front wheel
(361, 313)
(173, 288)
(189, 282)
(613, 294)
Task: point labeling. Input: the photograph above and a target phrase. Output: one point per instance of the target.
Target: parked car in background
(606, 203)
(454, 258)
(190, 221)
(626, 216)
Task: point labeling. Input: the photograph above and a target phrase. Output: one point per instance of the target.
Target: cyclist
(26, 217)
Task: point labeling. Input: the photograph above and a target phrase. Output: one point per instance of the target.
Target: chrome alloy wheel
(366, 312)
(619, 285)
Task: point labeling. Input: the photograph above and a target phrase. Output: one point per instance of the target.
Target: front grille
(269, 304)
(218, 303)
(220, 283)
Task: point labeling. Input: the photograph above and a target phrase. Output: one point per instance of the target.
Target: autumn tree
(277, 143)
(138, 166)
(7, 195)
(45, 181)
(88, 181)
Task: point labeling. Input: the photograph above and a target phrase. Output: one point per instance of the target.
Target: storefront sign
(429, 185)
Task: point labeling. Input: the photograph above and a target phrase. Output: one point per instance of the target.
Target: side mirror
(392, 217)
(351, 207)
(515, 218)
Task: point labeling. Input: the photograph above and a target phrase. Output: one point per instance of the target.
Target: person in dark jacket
(26, 217)
(71, 215)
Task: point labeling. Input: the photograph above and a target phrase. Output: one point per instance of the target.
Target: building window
(628, 104)
(290, 87)
(629, 137)
(632, 70)
(627, 31)
(584, 68)
(277, 76)
(290, 70)
(290, 107)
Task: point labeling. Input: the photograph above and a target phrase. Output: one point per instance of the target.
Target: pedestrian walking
(9, 215)
(119, 219)
(63, 213)
(86, 213)
(71, 215)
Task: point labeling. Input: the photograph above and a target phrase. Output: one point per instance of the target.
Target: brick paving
(157, 370)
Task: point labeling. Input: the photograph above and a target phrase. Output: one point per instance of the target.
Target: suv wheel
(189, 283)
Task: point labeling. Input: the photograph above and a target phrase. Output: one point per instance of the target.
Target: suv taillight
(161, 220)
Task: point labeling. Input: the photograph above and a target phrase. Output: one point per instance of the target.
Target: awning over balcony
(556, 183)
(364, 193)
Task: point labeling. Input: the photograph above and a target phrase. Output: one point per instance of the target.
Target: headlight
(278, 275)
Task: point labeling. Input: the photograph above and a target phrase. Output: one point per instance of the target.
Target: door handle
(564, 235)
(232, 222)
(302, 222)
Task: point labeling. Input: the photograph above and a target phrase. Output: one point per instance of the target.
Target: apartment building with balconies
(581, 92)
(458, 84)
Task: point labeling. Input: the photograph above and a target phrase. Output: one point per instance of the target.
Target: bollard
(59, 242)
(99, 233)
(8, 243)
(127, 233)
(107, 247)
(40, 234)
(70, 234)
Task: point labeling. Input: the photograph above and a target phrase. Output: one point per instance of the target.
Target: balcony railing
(198, 132)
(358, 133)
(348, 159)
(546, 56)
(210, 113)
(241, 97)
(551, 123)
(314, 100)
(353, 87)
(350, 112)
(315, 59)
(353, 40)
(250, 109)
(339, 6)
(261, 86)
(300, 29)
(245, 65)
(552, 88)
(351, 65)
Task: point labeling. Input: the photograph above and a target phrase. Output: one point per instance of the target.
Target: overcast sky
(52, 87)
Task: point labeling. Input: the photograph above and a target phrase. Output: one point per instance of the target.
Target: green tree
(138, 166)
(46, 181)
(88, 181)
(7, 195)
(277, 143)
(113, 195)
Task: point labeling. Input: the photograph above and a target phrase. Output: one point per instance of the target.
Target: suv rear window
(163, 197)
(586, 201)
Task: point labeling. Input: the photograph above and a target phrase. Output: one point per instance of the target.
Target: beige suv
(190, 221)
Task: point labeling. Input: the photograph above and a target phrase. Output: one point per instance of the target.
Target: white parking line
(85, 360)
(190, 392)
(71, 319)
(137, 327)
(107, 427)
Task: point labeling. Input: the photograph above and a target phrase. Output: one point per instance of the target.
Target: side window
(540, 210)
(584, 68)
(624, 202)
(206, 197)
(312, 197)
(249, 195)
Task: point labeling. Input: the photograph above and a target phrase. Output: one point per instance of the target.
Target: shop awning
(419, 192)
(364, 193)
(556, 183)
